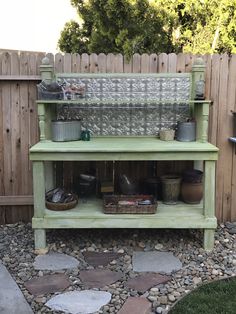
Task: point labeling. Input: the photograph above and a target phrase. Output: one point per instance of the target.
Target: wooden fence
(19, 74)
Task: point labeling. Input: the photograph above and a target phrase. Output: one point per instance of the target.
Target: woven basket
(111, 204)
(62, 206)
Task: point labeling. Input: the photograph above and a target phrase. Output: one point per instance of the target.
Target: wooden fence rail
(19, 74)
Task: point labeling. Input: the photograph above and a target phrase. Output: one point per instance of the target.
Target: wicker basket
(44, 94)
(62, 206)
(112, 204)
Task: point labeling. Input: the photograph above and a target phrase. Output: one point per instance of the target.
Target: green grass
(218, 297)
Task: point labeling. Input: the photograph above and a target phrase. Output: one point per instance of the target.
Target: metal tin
(186, 132)
(63, 131)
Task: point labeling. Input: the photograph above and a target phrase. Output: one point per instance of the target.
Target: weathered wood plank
(145, 63)
(7, 125)
(84, 63)
(67, 63)
(102, 63)
(232, 128)
(172, 62)
(93, 61)
(75, 63)
(224, 127)
(2, 192)
(16, 200)
(136, 63)
(59, 63)
(119, 63)
(15, 121)
(163, 63)
(214, 96)
(110, 63)
(128, 64)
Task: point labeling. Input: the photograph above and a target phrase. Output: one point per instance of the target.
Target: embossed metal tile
(129, 105)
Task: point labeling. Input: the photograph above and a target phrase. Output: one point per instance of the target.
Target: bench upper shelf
(123, 148)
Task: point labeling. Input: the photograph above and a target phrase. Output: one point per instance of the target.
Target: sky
(33, 25)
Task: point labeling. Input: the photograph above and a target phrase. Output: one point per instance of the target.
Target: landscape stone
(55, 261)
(100, 258)
(160, 262)
(47, 284)
(79, 302)
(98, 278)
(136, 305)
(12, 300)
(145, 282)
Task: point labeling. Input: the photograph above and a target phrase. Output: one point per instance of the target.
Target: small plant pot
(186, 131)
(170, 189)
(167, 135)
(192, 193)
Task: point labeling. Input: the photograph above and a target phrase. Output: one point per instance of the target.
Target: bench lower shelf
(90, 214)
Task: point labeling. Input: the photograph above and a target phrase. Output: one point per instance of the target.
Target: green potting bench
(132, 147)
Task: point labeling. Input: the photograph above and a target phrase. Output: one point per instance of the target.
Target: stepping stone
(136, 305)
(55, 261)
(96, 258)
(12, 300)
(98, 278)
(145, 282)
(79, 302)
(158, 262)
(47, 284)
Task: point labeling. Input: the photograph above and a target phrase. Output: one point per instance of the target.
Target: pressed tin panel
(129, 105)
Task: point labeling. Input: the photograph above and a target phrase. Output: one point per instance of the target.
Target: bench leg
(209, 235)
(40, 241)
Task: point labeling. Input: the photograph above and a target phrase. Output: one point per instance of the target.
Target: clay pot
(170, 189)
(192, 193)
(192, 176)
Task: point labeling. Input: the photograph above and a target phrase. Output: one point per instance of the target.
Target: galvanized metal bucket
(186, 131)
(63, 131)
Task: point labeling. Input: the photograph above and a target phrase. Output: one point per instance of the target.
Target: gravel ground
(17, 254)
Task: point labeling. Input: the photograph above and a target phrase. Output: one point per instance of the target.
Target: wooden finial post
(46, 71)
(198, 79)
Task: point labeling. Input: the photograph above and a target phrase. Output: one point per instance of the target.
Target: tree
(125, 26)
(129, 26)
(203, 26)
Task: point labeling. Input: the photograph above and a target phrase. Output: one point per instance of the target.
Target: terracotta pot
(192, 193)
(192, 176)
(170, 189)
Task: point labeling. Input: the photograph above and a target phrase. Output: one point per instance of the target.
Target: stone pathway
(12, 300)
(90, 301)
(142, 271)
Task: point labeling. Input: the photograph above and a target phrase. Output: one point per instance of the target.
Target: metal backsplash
(129, 105)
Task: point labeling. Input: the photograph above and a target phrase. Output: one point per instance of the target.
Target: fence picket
(145, 65)
(110, 63)
(163, 63)
(102, 63)
(84, 63)
(136, 63)
(75, 63)
(93, 63)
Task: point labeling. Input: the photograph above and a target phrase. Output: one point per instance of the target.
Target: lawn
(218, 297)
